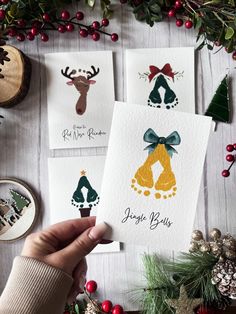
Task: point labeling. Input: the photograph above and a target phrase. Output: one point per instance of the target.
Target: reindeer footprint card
(152, 175)
(74, 186)
(80, 96)
(161, 78)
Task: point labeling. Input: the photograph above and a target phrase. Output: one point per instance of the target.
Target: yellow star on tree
(82, 173)
(184, 305)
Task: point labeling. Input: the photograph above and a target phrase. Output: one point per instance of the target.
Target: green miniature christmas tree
(219, 106)
(19, 200)
(84, 204)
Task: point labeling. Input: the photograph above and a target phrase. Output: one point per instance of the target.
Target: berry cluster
(230, 158)
(175, 11)
(106, 305)
(23, 29)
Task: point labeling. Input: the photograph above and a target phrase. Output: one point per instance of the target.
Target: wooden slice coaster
(17, 73)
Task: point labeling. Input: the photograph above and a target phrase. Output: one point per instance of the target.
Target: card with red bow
(152, 176)
(161, 78)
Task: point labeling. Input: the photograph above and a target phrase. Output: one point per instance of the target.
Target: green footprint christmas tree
(84, 197)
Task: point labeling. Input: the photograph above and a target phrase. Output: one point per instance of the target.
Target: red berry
(34, 31)
(83, 32)
(30, 36)
(2, 14)
(234, 145)
(20, 37)
(96, 36)
(21, 23)
(91, 286)
(79, 15)
(105, 22)
(234, 55)
(46, 17)
(229, 157)
(70, 27)
(61, 28)
(225, 173)
(96, 25)
(117, 309)
(171, 13)
(65, 15)
(114, 37)
(12, 32)
(37, 24)
(44, 37)
(4, 1)
(106, 306)
(179, 22)
(178, 4)
(230, 148)
(91, 31)
(188, 24)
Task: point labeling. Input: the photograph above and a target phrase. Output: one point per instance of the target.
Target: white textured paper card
(80, 96)
(161, 78)
(74, 190)
(152, 175)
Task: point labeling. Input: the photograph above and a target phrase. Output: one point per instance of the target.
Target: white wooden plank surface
(24, 142)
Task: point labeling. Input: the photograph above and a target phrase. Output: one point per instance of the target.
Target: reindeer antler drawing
(82, 84)
(90, 74)
(65, 73)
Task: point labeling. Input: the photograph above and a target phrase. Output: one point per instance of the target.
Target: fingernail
(98, 231)
(82, 281)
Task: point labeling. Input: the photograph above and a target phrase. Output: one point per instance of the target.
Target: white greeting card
(80, 96)
(74, 190)
(152, 175)
(161, 78)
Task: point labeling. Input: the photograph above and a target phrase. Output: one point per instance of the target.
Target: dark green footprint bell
(155, 97)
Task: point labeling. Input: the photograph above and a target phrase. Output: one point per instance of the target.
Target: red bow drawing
(166, 70)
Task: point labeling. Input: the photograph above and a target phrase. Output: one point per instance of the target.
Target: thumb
(81, 246)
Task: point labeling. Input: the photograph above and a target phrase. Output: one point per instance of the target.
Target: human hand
(64, 246)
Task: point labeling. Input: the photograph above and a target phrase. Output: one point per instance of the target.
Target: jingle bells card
(162, 78)
(152, 176)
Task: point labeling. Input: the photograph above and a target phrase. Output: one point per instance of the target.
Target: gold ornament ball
(230, 243)
(205, 248)
(216, 249)
(197, 235)
(230, 254)
(193, 247)
(215, 234)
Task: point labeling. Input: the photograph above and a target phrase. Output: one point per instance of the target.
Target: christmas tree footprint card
(161, 78)
(152, 175)
(80, 96)
(74, 190)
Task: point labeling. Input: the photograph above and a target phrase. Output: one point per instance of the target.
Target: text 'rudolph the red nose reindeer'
(82, 84)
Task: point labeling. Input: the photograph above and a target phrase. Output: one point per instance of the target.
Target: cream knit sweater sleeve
(34, 287)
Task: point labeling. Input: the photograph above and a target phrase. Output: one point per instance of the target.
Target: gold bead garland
(219, 246)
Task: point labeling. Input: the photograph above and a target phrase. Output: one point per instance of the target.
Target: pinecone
(224, 277)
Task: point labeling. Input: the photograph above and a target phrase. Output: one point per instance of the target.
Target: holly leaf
(229, 33)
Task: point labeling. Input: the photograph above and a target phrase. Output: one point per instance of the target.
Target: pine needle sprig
(164, 279)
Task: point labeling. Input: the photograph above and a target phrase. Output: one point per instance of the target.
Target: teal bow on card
(151, 137)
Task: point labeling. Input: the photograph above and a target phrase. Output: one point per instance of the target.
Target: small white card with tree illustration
(74, 190)
(80, 97)
(152, 175)
(161, 78)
